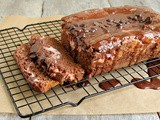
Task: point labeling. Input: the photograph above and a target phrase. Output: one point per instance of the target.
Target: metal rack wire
(28, 102)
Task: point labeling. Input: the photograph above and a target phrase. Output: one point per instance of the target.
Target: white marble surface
(40, 8)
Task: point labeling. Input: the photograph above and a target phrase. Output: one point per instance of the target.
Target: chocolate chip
(120, 21)
(127, 22)
(71, 28)
(83, 25)
(74, 32)
(86, 30)
(106, 25)
(106, 31)
(129, 17)
(119, 25)
(83, 35)
(116, 21)
(148, 20)
(79, 40)
(33, 57)
(134, 18)
(147, 27)
(78, 30)
(66, 83)
(108, 20)
(93, 30)
(76, 25)
(138, 16)
(18, 44)
(102, 26)
(95, 23)
(43, 63)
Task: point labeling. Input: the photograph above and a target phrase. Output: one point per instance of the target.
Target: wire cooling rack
(28, 102)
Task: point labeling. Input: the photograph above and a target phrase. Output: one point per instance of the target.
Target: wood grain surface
(41, 8)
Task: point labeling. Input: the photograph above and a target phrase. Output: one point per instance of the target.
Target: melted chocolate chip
(106, 85)
(154, 83)
(148, 20)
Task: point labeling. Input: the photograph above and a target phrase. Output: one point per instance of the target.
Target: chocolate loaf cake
(36, 79)
(50, 55)
(105, 39)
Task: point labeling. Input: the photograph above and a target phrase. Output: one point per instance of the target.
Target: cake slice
(105, 39)
(36, 79)
(50, 55)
